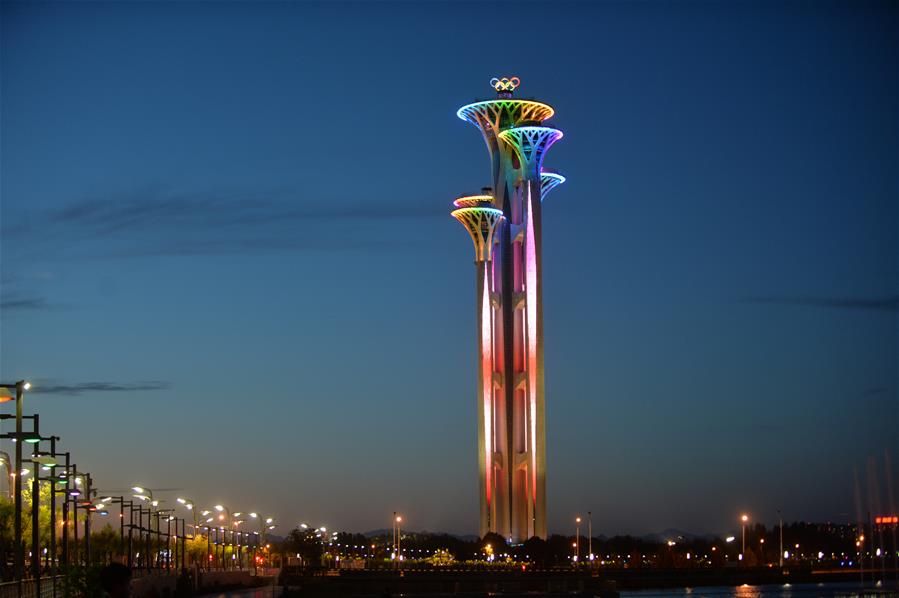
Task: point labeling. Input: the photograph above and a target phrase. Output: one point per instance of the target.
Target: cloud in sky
(97, 387)
(163, 223)
(23, 302)
(889, 303)
(138, 211)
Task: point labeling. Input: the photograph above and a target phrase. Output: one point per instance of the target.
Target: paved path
(266, 592)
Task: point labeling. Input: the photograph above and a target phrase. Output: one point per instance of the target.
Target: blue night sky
(228, 261)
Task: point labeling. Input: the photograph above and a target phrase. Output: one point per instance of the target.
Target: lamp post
(19, 438)
(781, 529)
(75, 493)
(399, 540)
(743, 519)
(88, 506)
(223, 511)
(48, 459)
(209, 553)
(190, 505)
(19, 387)
(146, 495)
(120, 500)
(141, 539)
(235, 529)
(208, 547)
(35, 507)
(63, 478)
(169, 517)
(590, 535)
(577, 538)
(265, 523)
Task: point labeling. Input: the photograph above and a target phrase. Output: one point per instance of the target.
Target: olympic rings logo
(505, 84)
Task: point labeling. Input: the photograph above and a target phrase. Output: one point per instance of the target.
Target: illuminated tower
(506, 228)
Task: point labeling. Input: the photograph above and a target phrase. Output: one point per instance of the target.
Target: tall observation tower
(505, 224)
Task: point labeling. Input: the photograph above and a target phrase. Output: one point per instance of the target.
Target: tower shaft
(511, 402)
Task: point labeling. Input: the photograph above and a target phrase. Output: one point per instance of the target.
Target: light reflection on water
(821, 590)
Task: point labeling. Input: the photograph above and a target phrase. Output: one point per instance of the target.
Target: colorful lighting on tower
(506, 228)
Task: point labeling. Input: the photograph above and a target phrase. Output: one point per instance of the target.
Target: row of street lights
(78, 492)
(64, 478)
(233, 520)
(577, 538)
(576, 545)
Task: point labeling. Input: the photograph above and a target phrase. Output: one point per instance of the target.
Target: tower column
(481, 221)
(511, 421)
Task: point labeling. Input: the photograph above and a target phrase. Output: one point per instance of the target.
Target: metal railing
(50, 587)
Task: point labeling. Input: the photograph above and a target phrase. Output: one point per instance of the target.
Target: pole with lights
(590, 535)
(743, 519)
(19, 388)
(577, 539)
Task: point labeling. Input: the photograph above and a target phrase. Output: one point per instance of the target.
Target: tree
(496, 542)
(105, 543)
(198, 549)
(306, 544)
(536, 549)
(441, 558)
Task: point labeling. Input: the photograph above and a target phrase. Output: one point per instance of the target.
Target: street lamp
(781, 526)
(34, 438)
(590, 535)
(225, 513)
(6, 395)
(743, 519)
(397, 520)
(46, 462)
(146, 495)
(265, 524)
(577, 538)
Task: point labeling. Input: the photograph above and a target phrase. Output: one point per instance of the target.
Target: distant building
(504, 222)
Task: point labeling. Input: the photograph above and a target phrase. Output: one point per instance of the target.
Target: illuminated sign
(505, 84)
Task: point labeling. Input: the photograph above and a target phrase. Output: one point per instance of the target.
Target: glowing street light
(397, 535)
(7, 394)
(190, 505)
(590, 535)
(577, 538)
(266, 523)
(743, 519)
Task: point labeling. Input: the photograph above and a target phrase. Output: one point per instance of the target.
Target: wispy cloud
(162, 210)
(889, 303)
(24, 303)
(97, 387)
(164, 223)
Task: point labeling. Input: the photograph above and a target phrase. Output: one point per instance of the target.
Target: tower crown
(549, 180)
(531, 143)
(474, 201)
(493, 116)
(481, 223)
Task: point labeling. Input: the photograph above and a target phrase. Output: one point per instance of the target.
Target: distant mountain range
(385, 532)
(659, 537)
